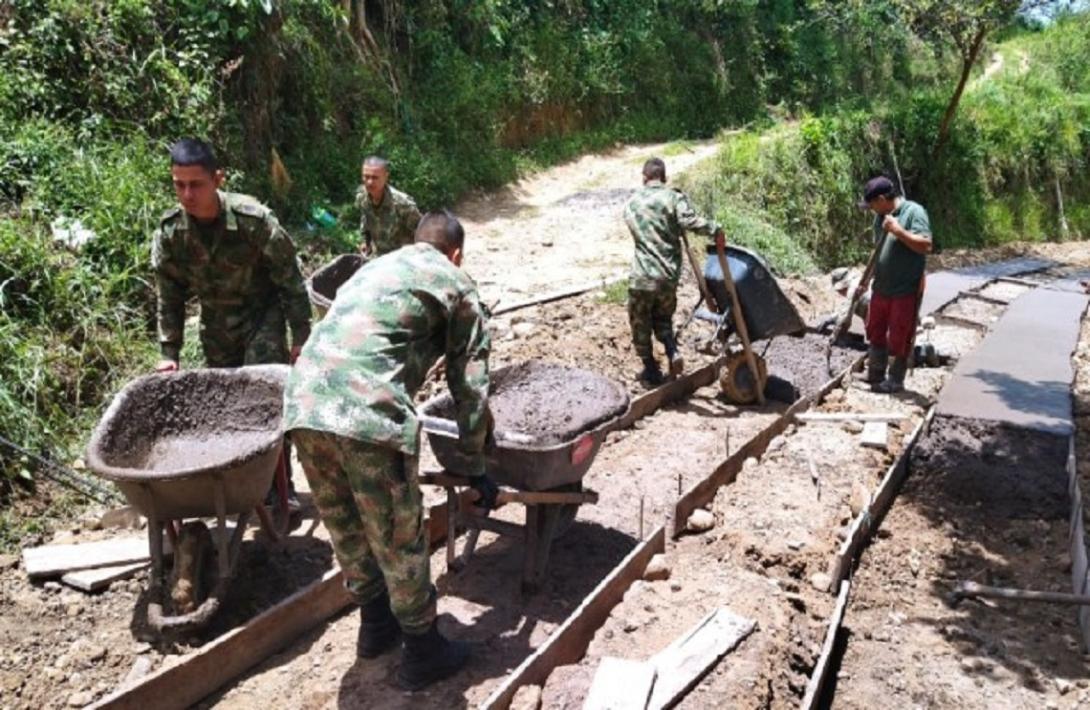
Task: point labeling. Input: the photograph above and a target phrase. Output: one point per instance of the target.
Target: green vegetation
(461, 95)
(1013, 168)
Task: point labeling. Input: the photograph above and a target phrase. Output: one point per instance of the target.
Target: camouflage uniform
(349, 406)
(657, 216)
(243, 270)
(391, 224)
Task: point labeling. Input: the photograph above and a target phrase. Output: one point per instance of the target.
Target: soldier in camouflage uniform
(230, 251)
(388, 217)
(657, 216)
(349, 406)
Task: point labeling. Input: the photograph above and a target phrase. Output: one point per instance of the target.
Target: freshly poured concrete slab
(944, 286)
(1021, 373)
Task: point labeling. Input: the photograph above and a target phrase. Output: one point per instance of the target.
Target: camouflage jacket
(236, 267)
(657, 216)
(366, 359)
(391, 224)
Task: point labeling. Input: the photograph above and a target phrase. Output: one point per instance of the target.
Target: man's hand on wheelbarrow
(167, 366)
(487, 491)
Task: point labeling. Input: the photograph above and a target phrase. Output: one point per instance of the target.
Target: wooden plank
(875, 435)
(704, 491)
(811, 417)
(959, 321)
(678, 389)
(234, 653)
(94, 580)
(569, 642)
(560, 295)
(620, 684)
(55, 560)
(1080, 560)
(821, 669)
(684, 662)
(985, 299)
(875, 510)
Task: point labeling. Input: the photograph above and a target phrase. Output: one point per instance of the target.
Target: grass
(615, 294)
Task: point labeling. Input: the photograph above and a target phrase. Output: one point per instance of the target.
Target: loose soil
(954, 521)
(1003, 290)
(974, 309)
(549, 402)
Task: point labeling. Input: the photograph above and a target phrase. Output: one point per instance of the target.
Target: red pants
(891, 322)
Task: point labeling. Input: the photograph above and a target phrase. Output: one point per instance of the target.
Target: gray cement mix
(549, 402)
(1004, 471)
(801, 362)
(1021, 372)
(944, 286)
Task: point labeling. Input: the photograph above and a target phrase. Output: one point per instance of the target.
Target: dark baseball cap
(876, 187)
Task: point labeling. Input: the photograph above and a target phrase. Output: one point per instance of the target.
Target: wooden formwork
(1080, 568)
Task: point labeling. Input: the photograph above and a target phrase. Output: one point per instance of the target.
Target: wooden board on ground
(674, 391)
(821, 669)
(569, 642)
(683, 663)
(95, 580)
(232, 654)
(55, 560)
(1080, 567)
(620, 684)
(809, 417)
(875, 435)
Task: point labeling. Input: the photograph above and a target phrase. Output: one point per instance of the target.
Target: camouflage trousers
(370, 502)
(651, 312)
(229, 340)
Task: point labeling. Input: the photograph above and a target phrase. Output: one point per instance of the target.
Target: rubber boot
(651, 374)
(895, 382)
(429, 657)
(379, 629)
(877, 359)
(677, 362)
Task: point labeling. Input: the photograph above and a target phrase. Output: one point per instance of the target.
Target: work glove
(488, 491)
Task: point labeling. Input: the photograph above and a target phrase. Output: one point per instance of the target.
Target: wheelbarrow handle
(449, 429)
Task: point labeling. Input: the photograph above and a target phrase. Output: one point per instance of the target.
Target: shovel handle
(740, 322)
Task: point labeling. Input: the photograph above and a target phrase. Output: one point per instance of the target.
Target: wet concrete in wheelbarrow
(550, 403)
(984, 502)
(801, 361)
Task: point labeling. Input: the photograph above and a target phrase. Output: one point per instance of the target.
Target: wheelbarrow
(745, 301)
(544, 476)
(323, 284)
(193, 444)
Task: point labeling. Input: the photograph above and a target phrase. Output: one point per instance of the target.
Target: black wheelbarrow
(193, 444)
(541, 470)
(764, 311)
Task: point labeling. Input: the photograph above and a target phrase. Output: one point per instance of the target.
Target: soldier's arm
(288, 278)
(690, 221)
(170, 309)
(468, 346)
(412, 219)
(366, 247)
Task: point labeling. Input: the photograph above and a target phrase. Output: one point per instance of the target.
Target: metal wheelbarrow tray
(323, 284)
(768, 311)
(192, 444)
(545, 470)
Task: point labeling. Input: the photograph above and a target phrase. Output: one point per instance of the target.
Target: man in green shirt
(657, 216)
(348, 404)
(388, 217)
(902, 234)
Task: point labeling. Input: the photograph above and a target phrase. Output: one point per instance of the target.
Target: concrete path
(944, 286)
(1021, 373)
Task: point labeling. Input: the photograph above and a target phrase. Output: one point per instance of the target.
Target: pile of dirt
(801, 361)
(549, 402)
(1008, 471)
(182, 421)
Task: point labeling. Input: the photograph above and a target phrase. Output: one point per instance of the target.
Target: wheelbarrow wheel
(736, 381)
(193, 574)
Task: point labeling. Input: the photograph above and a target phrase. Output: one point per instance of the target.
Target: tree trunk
(968, 60)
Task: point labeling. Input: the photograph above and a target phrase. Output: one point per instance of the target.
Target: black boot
(429, 657)
(677, 362)
(877, 359)
(651, 374)
(895, 382)
(379, 629)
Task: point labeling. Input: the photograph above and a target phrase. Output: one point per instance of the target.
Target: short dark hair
(655, 169)
(878, 186)
(377, 161)
(442, 230)
(194, 151)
